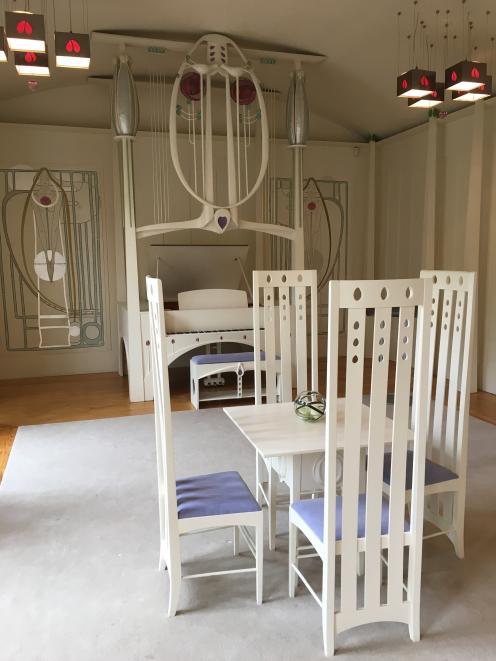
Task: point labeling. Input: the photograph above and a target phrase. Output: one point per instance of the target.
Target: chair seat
(218, 358)
(214, 494)
(434, 473)
(311, 511)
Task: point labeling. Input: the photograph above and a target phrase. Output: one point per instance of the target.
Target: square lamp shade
(3, 45)
(415, 84)
(25, 32)
(72, 50)
(31, 64)
(464, 76)
(482, 92)
(433, 99)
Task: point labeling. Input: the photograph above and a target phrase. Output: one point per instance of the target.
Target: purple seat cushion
(434, 473)
(213, 358)
(217, 493)
(312, 513)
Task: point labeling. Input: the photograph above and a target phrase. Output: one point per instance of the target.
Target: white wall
(400, 181)
(465, 211)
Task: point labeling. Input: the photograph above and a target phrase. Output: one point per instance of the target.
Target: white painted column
(473, 219)
(298, 245)
(429, 223)
(134, 349)
(370, 245)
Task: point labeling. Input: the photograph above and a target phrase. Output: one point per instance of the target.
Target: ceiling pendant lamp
(464, 76)
(3, 45)
(31, 64)
(25, 31)
(433, 99)
(482, 92)
(72, 50)
(415, 84)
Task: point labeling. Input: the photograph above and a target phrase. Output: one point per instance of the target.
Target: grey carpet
(78, 559)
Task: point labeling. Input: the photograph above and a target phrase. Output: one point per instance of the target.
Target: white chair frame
(285, 328)
(402, 600)
(452, 323)
(171, 527)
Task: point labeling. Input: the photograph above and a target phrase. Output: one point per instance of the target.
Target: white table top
(275, 430)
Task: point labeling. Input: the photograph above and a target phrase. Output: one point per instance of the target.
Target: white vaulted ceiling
(351, 94)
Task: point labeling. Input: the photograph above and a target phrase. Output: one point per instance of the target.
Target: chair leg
(259, 559)
(272, 508)
(162, 563)
(414, 596)
(174, 587)
(235, 540)
(328, 632)
(293, 560)
(457, 536)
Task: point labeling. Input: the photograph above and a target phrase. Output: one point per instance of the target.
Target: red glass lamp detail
(247, 92)
(24, 27)
(72, 46)
(190, 85)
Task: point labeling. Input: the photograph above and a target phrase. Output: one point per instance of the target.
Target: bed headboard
(191, 267)
(212, 299)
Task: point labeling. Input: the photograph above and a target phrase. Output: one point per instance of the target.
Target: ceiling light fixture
(433, 99)
(465, 76)
(482, 92)
(415, 84)
(25, 31)
(72, 50)
(31, 64)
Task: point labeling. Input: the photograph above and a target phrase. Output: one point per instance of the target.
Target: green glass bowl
(310, 405)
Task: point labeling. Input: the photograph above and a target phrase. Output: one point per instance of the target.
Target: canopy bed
(234, 188)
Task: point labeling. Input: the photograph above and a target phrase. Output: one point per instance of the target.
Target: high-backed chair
(201, 502)
(450, 358)
(288, 317)
(368, 521)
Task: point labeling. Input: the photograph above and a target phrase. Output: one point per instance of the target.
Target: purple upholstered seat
(213, 358)
(217, 493)
(311, 511)
(434, 473)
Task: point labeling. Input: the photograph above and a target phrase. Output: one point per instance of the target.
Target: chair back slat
(351, 457)
(375, 460)
(362, 499)
(445, 336)
(270, 345)
(163, 422)
(286, 376)
(289, 298)
(450, 361)
(401, 417)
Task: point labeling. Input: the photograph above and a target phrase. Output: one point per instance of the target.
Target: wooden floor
(91, 396)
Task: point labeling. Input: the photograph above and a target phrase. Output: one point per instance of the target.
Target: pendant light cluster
(24, 36)
(468, 80)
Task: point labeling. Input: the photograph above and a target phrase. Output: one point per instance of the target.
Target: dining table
(287, 441)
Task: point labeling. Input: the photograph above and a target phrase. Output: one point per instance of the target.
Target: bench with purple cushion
(206, 365)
